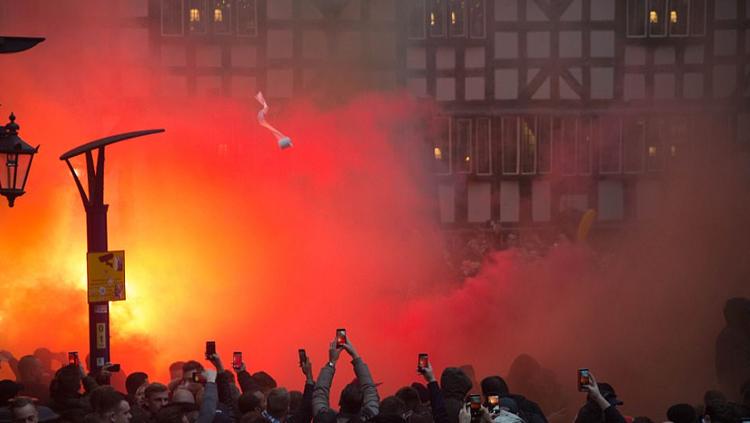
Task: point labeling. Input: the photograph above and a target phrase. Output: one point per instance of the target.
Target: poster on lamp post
(106, 276)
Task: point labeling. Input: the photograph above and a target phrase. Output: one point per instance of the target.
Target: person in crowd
(424, 394)
(601, 404)
(278, 405)
(157, 396)
(455, 386)
(110, 406)
(65, 396)
(438, 411)
(392, 410)
(359, 399)
(528, 410)
(682, 413)
(132, 383)
(175, 370)
(23, 410)
(733, 347)
(415, 411)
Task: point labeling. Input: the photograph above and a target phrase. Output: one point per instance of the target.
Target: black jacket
(455, 385)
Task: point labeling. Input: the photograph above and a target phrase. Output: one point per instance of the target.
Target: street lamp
(96, 231)
(17, 155)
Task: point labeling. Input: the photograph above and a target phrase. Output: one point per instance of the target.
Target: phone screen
(475, 402)
(73, 358)
(302, 356)
(423, 361)
(210, 349)
(340, 337)
(237, 360)
(584, 379)
(493, 400)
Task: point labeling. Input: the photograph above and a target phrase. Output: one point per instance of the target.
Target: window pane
(679, 16)
(544, 143)
(247, 18)
(677, 136)
(657, 18)
(634, 143)
(568, 146)
(221, 16)
(698, 17)
(171, 17)
(457, 17)
(416, 19)
(477, 18)
(654, 148)
(198, 16)
(637, 18)
(510, 145)
(609, 145)
(463, 145)
(583, 146)
(439, 135)
(484, 149)
(528, 144)
(437, 18)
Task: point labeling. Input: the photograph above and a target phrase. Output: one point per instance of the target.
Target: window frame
(181, 15)
(618, 147)
(469, 146)
(631, 4)
(489, 144)
(205, 15)
(423, 14)
(254, 6)
(521, 141)
(503, 122)
(540, 140)
(484, 21)
(449, 145)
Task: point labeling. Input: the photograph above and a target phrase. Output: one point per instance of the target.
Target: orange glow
(438, 153)
(218, 15)
(673, 16)
(195, 15)
(653, 17)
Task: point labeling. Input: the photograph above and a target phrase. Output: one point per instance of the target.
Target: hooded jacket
(455, 385)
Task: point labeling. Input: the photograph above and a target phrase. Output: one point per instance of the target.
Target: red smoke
(265, 251)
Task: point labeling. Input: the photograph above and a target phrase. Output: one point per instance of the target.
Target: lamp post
(15, 153)
(96, 232)
(18, 156)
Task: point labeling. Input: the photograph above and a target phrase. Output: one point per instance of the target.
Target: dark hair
(154, 388)
(494, 385)
(295, 401)
(170, 414)
(351, 399)
(66, 383)
(424, 394)
(27, 366)
(191, 365)
(277, 402)
(392, 406)
(682, 413)
(134, 381)
(410, 397)
(248, 402)
(264, 380)
(105, 399)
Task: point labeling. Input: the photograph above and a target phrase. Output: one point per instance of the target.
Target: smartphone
(73, 358)
(114, 368)
(237, 360)
(302, 356)
(493, 400)
(210, 349)
(584, 379)
(423, 361)
(340, 337)
(475, 405)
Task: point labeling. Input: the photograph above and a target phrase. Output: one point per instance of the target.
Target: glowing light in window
(453, 18)
(432, 19)
(651, 151)
(467, 159)
(673, 150)
(438, 154)
(673, 16)
(218, 15)
(195, 15)
(653, 17)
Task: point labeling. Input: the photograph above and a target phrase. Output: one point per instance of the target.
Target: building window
(416, 19)
(437, 17)
(464, 159)
(634, 144)
(197, 16)
(222, 17)
(439, 135)
(477, 18)
(171, 17)
(567, 145)
(610, 145)
(483, 154)
(528, 145)
(679, 16)
(247, 18)
(457, 17)
(666, 18)
(583, 146)
(544, 144)
(509, 142)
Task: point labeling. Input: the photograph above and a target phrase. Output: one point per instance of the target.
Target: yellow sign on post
(106, 276)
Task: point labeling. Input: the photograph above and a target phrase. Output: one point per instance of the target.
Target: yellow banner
(106, 276)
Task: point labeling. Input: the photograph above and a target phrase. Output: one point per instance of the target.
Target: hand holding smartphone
(302, 357)
(340, 337)
(423, 362)
(475, 405)
(210, 349)
(237, 360)
(584, 379)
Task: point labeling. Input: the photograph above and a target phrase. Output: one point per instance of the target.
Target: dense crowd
(197, 394)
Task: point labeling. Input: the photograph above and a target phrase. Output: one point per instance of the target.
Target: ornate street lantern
(15, 161)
